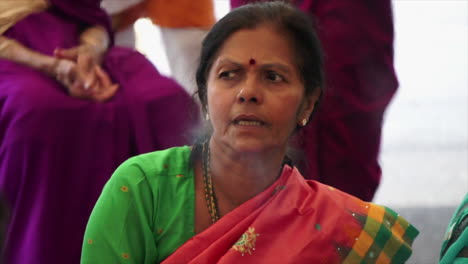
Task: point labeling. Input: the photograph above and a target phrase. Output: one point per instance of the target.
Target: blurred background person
(342, 147)
(73, 107)
(182, 23)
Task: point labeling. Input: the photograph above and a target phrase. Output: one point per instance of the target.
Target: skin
(87, 79)
(78, 69)
(254, 109)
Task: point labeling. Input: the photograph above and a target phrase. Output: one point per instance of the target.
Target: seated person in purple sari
(72, 108)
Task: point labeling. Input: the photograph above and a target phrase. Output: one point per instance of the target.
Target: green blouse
(145, 212)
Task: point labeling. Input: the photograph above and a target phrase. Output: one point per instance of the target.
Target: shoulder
(163, 162)
(360, 227)
(334, 196)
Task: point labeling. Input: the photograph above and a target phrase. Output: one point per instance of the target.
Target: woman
(234, 198)
(73, 107)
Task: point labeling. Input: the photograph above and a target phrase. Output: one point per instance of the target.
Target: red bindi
(252, 62)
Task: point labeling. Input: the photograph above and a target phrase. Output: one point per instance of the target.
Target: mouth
(248, 120)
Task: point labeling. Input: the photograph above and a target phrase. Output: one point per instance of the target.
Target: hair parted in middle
(283, 17)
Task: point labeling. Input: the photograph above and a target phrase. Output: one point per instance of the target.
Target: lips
(248, 120)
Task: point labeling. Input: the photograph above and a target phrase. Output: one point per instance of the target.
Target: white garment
(125, 37)
(183, 46)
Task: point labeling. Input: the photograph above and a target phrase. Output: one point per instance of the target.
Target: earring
(207, 117)
(304, 121)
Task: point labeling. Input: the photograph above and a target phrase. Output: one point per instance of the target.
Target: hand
(86, 58)
(65, 71)
(89, 79)
(104, 89)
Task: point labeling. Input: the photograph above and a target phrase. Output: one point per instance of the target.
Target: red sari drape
(301, 221)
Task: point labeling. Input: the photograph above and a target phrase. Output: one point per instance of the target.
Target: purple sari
(57, 152)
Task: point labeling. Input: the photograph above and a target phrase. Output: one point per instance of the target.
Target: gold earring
(304, 121)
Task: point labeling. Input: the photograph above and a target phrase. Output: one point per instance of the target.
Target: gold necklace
(211, 201)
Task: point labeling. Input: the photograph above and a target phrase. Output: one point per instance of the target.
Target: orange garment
(181, 13)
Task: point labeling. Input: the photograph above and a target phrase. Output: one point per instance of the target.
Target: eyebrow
(225, 60)
(280, 66)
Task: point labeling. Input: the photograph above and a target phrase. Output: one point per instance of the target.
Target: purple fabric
(343, 140)
(85, 12)
(57, 152)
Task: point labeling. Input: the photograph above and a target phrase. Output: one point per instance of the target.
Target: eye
(227, 75)
(273, 76)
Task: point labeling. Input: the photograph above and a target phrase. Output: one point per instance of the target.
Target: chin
(252, 146)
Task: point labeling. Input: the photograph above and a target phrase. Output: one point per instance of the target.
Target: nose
(250, 92)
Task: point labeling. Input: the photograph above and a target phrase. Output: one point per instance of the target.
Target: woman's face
(255, 93)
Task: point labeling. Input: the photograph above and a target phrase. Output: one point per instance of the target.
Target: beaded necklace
(210, 196)
(211, 201)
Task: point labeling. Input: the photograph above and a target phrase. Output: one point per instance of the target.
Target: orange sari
(181, 13)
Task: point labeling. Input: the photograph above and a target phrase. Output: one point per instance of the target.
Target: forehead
(264, 44)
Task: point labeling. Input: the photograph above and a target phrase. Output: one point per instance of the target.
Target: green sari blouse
(145, 212)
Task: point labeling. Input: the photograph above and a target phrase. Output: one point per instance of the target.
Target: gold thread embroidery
(246, 243)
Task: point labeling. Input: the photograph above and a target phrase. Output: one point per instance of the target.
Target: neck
(238, 177)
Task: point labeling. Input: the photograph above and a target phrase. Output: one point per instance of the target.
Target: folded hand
(84, 77)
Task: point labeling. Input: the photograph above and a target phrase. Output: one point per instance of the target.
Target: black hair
(296, 25)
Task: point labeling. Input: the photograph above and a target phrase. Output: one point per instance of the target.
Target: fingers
(107, 89)
(106, 94)
(85, 65)
(85, 58)
(69, 54)
(76, 90)
(101, 89)
(102, 76)
(65, 72)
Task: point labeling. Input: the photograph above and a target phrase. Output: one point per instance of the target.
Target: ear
(308, 106)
